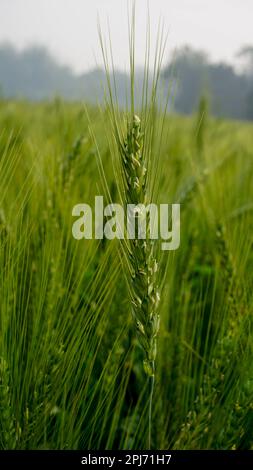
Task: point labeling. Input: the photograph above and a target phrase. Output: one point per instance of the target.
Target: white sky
(68, 28)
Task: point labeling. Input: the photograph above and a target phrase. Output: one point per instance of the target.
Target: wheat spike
(142, 262)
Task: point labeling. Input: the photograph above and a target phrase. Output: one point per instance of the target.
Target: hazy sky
(68, 28)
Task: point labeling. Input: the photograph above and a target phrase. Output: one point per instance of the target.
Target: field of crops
(71, 365)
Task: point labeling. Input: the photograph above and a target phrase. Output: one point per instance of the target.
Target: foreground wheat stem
(152, 384)
(142, 262)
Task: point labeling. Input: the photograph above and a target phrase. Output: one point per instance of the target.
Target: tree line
(34, 74)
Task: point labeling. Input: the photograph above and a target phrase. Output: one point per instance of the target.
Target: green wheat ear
(142, 262)
(137, 172)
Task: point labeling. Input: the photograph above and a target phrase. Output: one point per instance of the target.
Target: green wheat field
(71, 364)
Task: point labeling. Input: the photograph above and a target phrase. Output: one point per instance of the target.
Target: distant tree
(188, 68)
(249, 105)
(36, 75)
(33, 74)
(227, 90)
(197, 76)
(246, 54)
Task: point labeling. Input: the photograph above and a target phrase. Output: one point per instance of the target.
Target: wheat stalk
(137, 173)
(142, 263)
